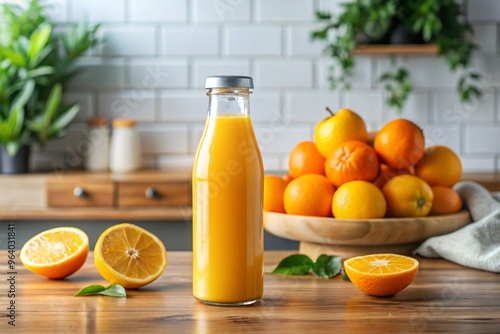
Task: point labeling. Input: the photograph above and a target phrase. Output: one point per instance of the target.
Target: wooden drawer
(157, 194)
(82, 193)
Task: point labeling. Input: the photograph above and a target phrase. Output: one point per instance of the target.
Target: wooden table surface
(444, 297)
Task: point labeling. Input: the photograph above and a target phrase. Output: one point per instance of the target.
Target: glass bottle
(228, 181)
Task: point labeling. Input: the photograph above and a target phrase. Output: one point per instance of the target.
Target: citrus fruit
(287, 178)
(445, 201)
(340, 127)
(304, 159)
(400, 143)
(407, 196)
(440, 166)
(56, 253)
(274, 187)
(381, 274)
(129, 255)
(386, 173)
(358, 200)
(309, 195)
(351, 161)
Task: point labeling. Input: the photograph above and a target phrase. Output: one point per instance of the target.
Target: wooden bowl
(351, 237)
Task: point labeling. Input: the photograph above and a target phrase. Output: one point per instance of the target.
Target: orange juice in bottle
(227, 199)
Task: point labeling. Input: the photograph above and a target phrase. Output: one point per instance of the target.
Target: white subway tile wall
(157, 54)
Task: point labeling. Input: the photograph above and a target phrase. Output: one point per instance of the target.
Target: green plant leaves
(326, 266)
(114, 290)
(35, 65)
(297, 264)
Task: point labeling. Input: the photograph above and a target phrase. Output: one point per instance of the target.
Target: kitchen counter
(444, 297)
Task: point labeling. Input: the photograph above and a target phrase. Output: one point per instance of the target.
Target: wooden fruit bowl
(351, 237)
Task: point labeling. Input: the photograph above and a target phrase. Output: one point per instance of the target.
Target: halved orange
(56, 253)
(129, 255)
(381, 274)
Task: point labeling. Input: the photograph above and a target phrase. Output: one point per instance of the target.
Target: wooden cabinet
(144, 195)
(152, 194)
(80, 193)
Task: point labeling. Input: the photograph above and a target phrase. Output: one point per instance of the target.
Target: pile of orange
(350, 173)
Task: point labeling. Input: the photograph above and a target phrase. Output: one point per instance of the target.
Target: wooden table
(444, 297)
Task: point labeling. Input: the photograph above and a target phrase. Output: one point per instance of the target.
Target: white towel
(476, 245)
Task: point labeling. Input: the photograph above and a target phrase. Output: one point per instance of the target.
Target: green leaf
(15, 58)
(114, 290)
(296, 264)
(65, 118)
(38, 41)
(90, 290)
(327, 266)
(52, 104)
(25, 94)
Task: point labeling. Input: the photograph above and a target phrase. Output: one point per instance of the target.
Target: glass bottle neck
(229, 101)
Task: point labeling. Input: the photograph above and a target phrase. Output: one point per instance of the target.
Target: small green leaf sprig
(114, 290)
(325, 266)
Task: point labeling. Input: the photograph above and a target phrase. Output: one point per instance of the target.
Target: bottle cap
(124, 123)
(225, 81)
(97, 121)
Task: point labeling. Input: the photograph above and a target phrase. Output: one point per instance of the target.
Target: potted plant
(36, 65)
(363, 22)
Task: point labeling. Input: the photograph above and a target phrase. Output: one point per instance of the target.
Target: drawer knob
(79, 192)
(152, 193)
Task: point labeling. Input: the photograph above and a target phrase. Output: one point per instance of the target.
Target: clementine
(339, 127)
(445, 201)
(358, 200)
(351, 161)
(400, 143)
(309, 195)
(440, 166)
(304, 159)
(274, 188)
(407, 196)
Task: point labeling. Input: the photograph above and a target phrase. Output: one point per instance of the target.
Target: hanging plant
(364, 22)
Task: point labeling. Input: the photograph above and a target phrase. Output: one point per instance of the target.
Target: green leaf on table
(326, 266)
(296, 264)
(90, 290)
(114, 290)
(344, 276)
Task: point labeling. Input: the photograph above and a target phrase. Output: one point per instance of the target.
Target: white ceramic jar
(125, 149)
(98, 135)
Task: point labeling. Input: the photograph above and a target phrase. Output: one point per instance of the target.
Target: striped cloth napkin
(476, 245)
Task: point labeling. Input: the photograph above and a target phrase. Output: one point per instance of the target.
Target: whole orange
(304, 159)
(342, 126)
(274, 188)
(407, 196)
(445, 201)
(309, 195)
(400, 143)
(351, 161)
(387, 173)
(440, 166)
(358, 200)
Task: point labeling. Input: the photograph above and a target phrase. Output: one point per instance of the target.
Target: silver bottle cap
(225, 81)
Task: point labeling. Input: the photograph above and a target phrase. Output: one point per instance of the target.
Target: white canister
(125, 149)
(97, 156)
